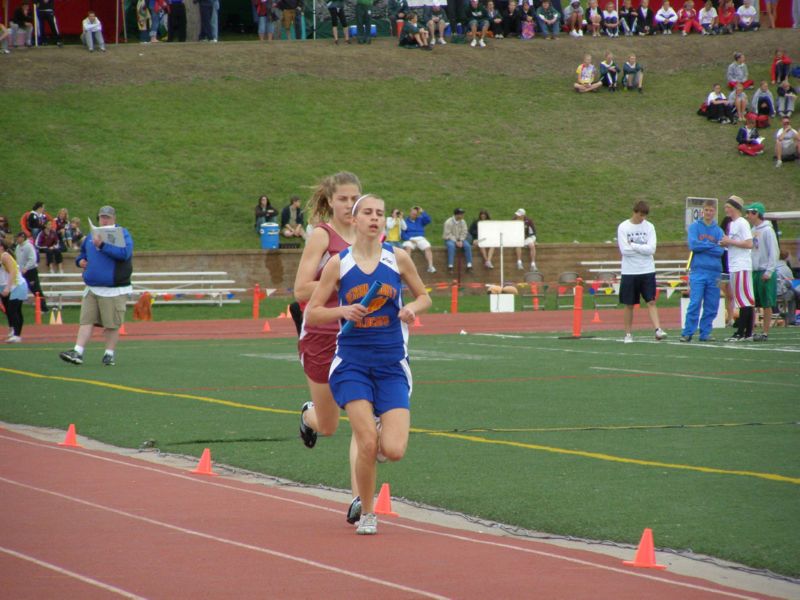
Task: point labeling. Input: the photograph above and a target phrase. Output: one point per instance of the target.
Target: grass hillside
(182, 138)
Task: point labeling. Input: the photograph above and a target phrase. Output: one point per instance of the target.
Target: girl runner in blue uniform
(370, 376)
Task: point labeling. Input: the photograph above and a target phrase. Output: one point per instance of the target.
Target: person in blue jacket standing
(106, 258)
(705, 268)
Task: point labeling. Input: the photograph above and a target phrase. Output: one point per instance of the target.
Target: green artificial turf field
(588, 437)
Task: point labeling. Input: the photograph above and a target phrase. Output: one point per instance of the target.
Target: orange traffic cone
(58, 318)
(384, 504)
(596, 318)
(204, 466)
(417, 322)
(70, 439)
(645, 554)
(122, 330)
(266, 327)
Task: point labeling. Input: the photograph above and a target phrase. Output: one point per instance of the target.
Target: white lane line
(221, 540)
(220, 484)
(690, 376)
(73, 574)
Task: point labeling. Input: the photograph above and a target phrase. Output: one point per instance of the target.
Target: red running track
(80, 523)
(517, 322)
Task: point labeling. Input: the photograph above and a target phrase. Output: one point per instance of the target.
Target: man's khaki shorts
(103, 311)
(287, 17)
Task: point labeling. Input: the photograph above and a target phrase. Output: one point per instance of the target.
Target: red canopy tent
(70, 14)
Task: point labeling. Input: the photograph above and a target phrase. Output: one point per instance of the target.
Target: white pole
(314, 13)
(502, 272)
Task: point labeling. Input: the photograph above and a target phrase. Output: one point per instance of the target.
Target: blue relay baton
(368, 297)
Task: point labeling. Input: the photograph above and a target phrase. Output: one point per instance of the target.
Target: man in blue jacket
(705, 268)
(414, 235)
(106, 258)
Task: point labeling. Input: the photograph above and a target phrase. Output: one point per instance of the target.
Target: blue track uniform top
(380, 338)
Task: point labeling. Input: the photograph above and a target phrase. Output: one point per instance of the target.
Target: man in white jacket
(637, 244)
(93, 32)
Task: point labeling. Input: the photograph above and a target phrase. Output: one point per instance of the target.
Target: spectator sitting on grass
(737, 100)
(726, 16)
(527, 20)
(687, 19)
(787, 143)
(717, 107)
(786, 97)
(738, 73)
(611, 20)
(763, 103)
(750, 143)
(477, 23)
(265, 213)
(436, 21)
(633, 74)
(413, 36)
(495, 20)
(627, 18)
(587, 73)
(781, 64)
(708, 19)
(666, 18)
(747, 17)
(609, 72)
(414, 235)
(549, 20)
(644, 19)
(292, 224)
(22, 19)
(594, 18)
(510, 20)
(573, 18)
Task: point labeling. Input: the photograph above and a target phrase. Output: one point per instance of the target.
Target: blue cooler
(269, 236)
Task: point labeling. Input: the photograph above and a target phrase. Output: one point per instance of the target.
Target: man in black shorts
(637, 244)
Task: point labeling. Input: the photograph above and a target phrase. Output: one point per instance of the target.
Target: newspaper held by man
(110, 234)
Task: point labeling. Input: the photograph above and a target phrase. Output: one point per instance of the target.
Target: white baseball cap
(520, 212)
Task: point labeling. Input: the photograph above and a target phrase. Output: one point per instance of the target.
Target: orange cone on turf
(384, 504)
(204, 466)
(70, 439)
(645, 554)
(596, 318)
(122, 330)
(266, 327)
(58, 318)
(417, 322)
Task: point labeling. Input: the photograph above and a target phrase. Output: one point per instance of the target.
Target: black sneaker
(710, 338)
(71, 356)
(108, 360)
(308, 435)
(354, 511)
(760, 337)
(686, 338)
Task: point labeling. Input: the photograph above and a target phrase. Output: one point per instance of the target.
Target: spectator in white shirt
(93, 32)
(666, 17)
(747, 17)
(709, 20)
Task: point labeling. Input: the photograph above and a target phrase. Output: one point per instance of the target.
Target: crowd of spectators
(755, 113)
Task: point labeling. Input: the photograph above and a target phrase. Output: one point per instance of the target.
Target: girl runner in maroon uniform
(331, 206)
